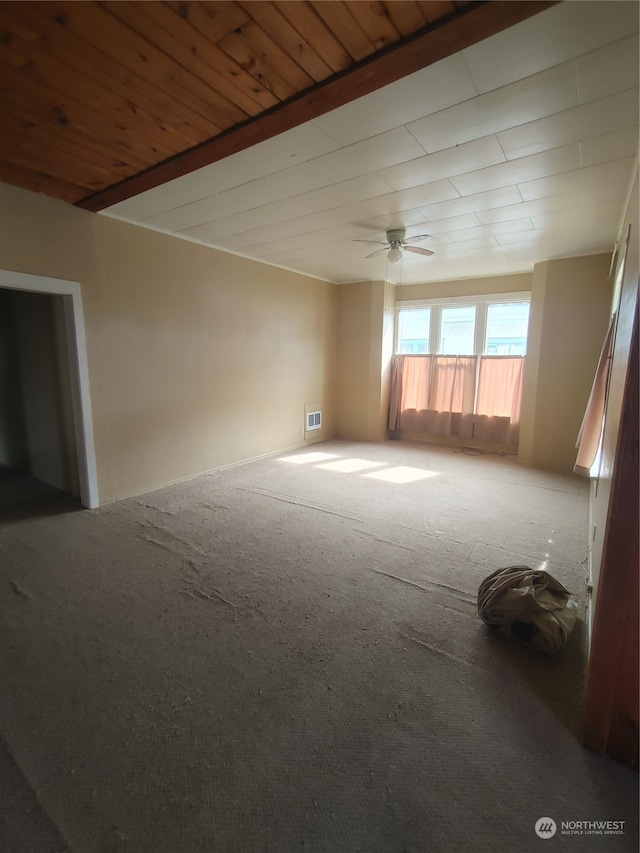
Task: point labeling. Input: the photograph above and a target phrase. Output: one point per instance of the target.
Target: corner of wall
(365, 343)
(570, 310)
(388, 335)
(530, 383)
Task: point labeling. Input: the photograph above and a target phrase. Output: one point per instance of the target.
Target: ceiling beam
(466, 26)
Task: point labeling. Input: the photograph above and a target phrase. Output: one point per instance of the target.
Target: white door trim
(78, 370)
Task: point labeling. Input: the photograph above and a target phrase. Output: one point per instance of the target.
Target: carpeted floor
(286, 656)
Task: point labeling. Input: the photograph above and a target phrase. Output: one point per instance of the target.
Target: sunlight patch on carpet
(308, 458)
(350, 466)
(402, 474)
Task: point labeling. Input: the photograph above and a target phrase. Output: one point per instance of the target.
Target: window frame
(436, 304)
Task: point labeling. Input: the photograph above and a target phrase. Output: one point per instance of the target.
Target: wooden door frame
(611, 706)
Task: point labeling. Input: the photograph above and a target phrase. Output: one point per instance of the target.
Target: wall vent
(314, 420)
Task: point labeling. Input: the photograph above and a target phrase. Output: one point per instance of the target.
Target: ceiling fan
(396, 242)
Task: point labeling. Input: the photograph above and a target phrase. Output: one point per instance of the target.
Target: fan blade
(418, 251)
(379, 242)
(417, 237)
(377, 252)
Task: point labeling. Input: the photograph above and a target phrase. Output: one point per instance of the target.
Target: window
(459, 367)
(464, 326)
(413, 330)
(507, 324)
(457, 330)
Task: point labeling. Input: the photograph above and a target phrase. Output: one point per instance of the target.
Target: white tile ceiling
(519, 149)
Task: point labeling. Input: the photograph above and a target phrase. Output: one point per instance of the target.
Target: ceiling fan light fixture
(395, 245)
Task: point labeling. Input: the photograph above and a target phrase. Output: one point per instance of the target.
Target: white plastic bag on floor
(529, 606)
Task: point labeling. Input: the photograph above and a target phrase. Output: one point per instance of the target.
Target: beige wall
(197, 358)
(569, 316)
(388, 344)
(465, 287)
(625, 308)
(354, 345)
(365, 347)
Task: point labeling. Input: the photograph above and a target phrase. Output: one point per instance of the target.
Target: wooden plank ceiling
(103, 100)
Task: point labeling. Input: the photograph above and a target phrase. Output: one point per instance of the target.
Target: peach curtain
(591, 428)
(437, 394)
(499, 398)
(432, 393)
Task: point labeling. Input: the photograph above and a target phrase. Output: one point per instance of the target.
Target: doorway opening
(45, 409)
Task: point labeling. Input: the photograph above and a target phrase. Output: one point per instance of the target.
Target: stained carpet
(286, 656)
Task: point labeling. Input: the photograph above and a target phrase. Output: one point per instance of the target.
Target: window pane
(507, 326)
(413, 330)
(457, 330)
